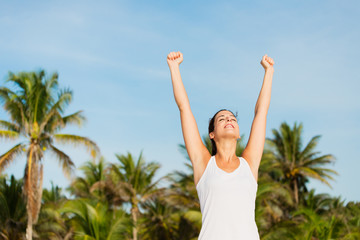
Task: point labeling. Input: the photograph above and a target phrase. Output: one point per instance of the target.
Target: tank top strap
(209, 168)
(248, 169)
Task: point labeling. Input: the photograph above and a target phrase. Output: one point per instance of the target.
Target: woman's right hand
(174, 58)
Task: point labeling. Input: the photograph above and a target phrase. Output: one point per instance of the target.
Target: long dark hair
(212, 127)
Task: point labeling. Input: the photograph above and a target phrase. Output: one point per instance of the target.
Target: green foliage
(297, 164)
(36, 105)
(51, 223)
(12, 209)
(133, 181)
(94, 220)
(90, 186)
(123, 200)
(160, 220)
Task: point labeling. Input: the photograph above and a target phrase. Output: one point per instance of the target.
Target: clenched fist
(174, 58)
(267, 62)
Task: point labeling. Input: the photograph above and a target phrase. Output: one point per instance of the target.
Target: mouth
(229, 126)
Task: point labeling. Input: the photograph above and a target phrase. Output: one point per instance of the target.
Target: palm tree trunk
(29, 227)
(296, 192)
(134, 211)
(33, 188)
(38, 192)
(29, 193)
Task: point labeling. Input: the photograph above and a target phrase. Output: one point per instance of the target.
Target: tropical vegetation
(126, 199)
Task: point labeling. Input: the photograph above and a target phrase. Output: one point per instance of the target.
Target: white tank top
(227, 202)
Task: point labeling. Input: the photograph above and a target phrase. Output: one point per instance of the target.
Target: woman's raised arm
(255, 146)
(193, 143)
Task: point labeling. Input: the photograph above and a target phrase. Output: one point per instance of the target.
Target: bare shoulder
(199, 166)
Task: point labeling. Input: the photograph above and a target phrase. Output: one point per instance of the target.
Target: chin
(230, 136)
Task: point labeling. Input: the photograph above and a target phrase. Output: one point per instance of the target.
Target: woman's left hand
(267, 62)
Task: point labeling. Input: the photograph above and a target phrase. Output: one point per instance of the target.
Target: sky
(112, 54)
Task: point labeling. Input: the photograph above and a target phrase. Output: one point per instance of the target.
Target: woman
(226, 184)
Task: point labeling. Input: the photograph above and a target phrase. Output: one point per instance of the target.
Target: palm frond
(9, 126)
(76, 118)
(8, 134)
(319, 160)
(14, 105)
(52, 82)
(268, 188)
(76, 141)
(183, 151)
(56, 109)
(314, 173)
(64, 98)
(64, 160)
(127, 164)
(10, 155)
(310, 147)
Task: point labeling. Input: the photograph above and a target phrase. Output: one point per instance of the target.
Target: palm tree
(93, 220)
(134, 183)
(12, 209)
(273, 202)
(182, 191)
(160, 222)
(94, 173)
(316, 226)
(297, 164)
(51, 225)
(352, 221)
(36, 106)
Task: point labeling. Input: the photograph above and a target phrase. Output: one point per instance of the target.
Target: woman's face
(225, 126)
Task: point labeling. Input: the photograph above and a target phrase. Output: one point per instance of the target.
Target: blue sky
(113, 55)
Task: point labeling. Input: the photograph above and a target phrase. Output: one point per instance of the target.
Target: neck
(226, 150)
